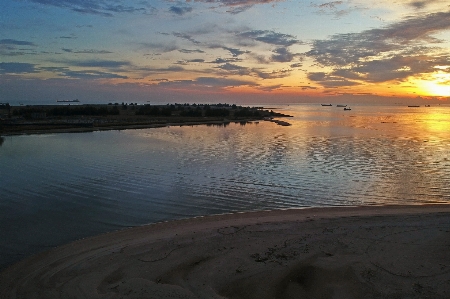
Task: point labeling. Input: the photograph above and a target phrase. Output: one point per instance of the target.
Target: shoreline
(119, 127)
(41, 119)
(345, 252)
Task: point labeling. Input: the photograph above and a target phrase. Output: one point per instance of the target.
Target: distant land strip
(67, 118)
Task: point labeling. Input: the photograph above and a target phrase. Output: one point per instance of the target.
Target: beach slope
(360, 252)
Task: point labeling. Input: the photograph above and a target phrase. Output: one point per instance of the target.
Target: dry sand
(361, 252)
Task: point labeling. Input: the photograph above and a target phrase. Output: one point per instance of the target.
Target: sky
(233, 51)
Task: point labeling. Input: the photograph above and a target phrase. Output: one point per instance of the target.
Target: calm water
(60, 187)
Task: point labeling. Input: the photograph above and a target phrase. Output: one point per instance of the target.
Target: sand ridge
(356, 252)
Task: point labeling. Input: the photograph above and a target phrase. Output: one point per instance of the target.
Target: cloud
(14, 42)
(239, 2)
(91, 75)
(191, 51)
(272, 75)
(207, 82)
(334, 8)
(418, 4)
(331, 5)
(307, 87)
(186, 62)
(67, 73)
(86, 51)
(166, 47)
(394, 52)
(225, 60)
(9, 47)
(186, 37)
(169, 69)
(237, 6)
(282, 55)
(180, 10)
(101, 63)
(270, 37)
(235, 52)
(99, 7)
(270, 88)
(234, 69)
(17, 68)
(329, 80)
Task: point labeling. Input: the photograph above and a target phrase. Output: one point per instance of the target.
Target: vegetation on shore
(74, 118)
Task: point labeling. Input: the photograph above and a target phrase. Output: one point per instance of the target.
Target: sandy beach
(359, 252)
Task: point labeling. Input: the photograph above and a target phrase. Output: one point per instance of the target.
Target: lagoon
(56, 188)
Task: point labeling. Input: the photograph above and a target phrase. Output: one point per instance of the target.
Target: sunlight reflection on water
(59, 187)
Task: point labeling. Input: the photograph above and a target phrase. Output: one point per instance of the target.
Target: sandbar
(342, 252)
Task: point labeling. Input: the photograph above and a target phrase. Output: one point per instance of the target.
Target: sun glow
(439, 85)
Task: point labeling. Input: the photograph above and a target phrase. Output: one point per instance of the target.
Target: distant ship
(68, 101)
(341, 105)
(326, 105)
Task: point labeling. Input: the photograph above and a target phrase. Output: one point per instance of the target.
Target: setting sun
(439, 86)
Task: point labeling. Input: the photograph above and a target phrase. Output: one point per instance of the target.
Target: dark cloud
(282, 55)
(14, 42)
(270, 88)
(270, 37)
(170, 69)
(187, 62)
(332, 8)
(186, 37)
(306, 87)
(418, 4)
(180, 10)
(198, 60)
(394, 52)
(238, 6)
(331, 5)
(327, 80)
(234, 69)
(167, 47)
(54, 69)
(99, 7)
(101, 63)
(238, 9)
(17, 68)
(10, 47)
(191, 51)
(225, 60)
(272, 75)
(235, 52)
(86, 51)
(91, 75)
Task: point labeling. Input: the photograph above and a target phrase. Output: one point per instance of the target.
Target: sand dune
(362, 252)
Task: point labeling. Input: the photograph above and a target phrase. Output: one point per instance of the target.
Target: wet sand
(360, 252)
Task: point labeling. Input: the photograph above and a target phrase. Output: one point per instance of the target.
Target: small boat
(341, 105)
(326, 105)
(346, 109)
(415, 106)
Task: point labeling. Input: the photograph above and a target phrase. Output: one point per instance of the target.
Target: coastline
(342, 252)
(115, 127)
(41, 119)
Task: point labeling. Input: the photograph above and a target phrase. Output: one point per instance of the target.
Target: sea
(57, 188)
